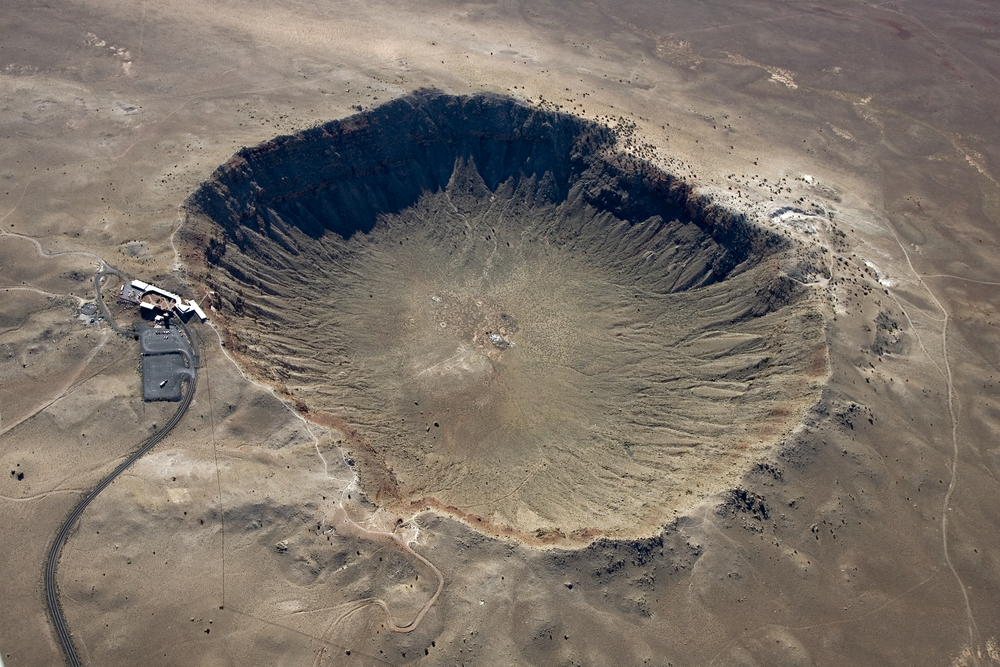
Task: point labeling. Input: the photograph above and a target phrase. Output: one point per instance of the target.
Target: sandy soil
(867, 537)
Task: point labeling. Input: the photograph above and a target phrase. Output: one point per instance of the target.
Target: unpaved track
(51, 592)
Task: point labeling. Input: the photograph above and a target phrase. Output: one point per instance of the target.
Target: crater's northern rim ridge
(508, 319)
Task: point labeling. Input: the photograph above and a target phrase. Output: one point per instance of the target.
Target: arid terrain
(702, 453)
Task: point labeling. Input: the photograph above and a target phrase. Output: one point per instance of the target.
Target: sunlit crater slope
(507, 319)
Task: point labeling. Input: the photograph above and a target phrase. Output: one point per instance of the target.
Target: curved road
(51, 594)
(108, 271)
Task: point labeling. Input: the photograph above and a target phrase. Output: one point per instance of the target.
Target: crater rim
(753, 247)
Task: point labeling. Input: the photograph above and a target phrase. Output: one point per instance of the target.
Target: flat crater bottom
(539, 368)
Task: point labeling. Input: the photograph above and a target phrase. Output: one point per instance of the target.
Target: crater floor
(508, 320)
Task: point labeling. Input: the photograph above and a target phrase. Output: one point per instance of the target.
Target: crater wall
(509, 320)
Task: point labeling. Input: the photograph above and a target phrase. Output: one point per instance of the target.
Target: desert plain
(850, 512)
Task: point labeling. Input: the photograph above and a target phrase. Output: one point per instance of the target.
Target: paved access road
(51, 593)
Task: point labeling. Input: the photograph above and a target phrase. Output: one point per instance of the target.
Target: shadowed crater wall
(508, 319)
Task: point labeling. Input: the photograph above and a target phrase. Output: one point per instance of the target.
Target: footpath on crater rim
(507, 319)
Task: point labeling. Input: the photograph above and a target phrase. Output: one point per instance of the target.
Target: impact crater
(509, 320)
